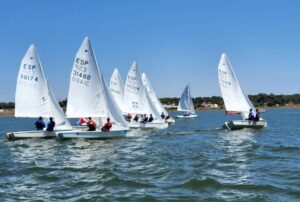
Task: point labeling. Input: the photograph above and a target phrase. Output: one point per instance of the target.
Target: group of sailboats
(89, 96)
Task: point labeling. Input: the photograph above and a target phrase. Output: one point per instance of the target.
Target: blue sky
(173, 41)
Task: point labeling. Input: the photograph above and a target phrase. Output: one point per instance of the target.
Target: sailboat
(89, 96)
(156, 102)
(137, 101)
(116, 88)
(186, 104)
(235, 100)
(34, 98)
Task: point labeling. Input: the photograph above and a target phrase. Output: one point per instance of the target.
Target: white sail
(33, 97)
(86, 92)
(115, 112)
(234, 98)
(152, 95)
(116, 88)
(155, 113)
(186, 102)
(135, 100)
(61, 122)
(89, 95)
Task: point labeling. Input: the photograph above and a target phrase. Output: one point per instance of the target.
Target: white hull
(98, 134)
(148, 125)
(30, 134)
(240, 124)
(170, 120)
(187, 116)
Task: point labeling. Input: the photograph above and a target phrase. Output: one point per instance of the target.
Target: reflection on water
(192, 160)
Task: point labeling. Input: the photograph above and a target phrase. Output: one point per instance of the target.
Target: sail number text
(79, 74)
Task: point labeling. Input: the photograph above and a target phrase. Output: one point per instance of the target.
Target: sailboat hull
(91, 134)
(148, 125)
(240, 124)
(30, 134)
(187, 116)
(170, 120)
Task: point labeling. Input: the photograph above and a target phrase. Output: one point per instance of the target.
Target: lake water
(192, 160)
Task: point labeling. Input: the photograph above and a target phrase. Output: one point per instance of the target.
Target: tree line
(259, 100)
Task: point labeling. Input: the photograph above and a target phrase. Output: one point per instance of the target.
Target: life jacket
(91, 124)
(107, 126)
(82, 121)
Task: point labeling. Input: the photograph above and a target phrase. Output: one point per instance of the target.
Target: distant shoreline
(10, 112)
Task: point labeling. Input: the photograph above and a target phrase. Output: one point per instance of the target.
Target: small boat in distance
(235, 100)
(34, 98)
(186, 104)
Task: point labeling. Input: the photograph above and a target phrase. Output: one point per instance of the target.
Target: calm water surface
(192, 160)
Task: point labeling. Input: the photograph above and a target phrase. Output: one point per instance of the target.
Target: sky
(174, 42)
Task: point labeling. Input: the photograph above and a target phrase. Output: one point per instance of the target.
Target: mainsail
(234, 98)
(186, 102)
(89, 95)
(86, 92)
(135, 98)
(116, 88)
(152, 95)
(33, 96)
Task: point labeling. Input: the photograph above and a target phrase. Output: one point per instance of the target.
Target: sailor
(40, 124)
(145, 119)
(257, 115)
(50, 124)
(163, 115)
(128, 117)
(107, 125)
(251, 115)
(82, 122)
(91, 124)
(150, 118)
(136, 118)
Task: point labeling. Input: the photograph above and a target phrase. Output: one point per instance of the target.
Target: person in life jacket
(150, 118)
(107, 125)
(50, 124)
(136, 117)
(250, 115)
(91, 124)
(40, 124)
(82, 122)
(128, 117)
(257, 115)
